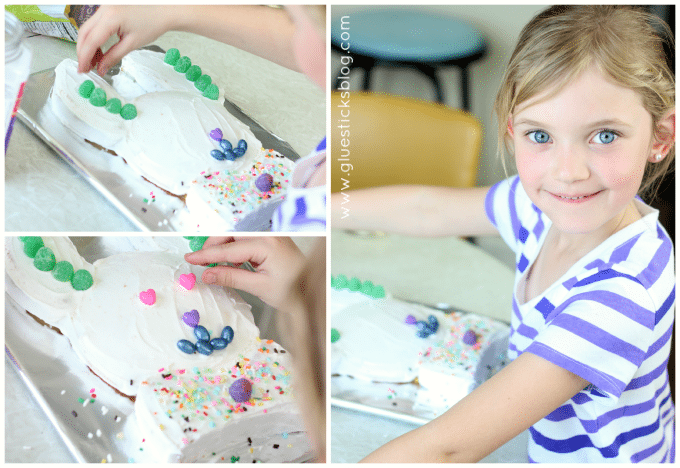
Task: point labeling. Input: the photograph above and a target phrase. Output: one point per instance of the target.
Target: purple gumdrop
(216, 134)
(264, 182)
(191, 318)
(470, 338)
(241, 390)
(410, 320)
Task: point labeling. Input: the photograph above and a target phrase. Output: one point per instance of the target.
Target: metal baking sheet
(95, 423)
(148, 207)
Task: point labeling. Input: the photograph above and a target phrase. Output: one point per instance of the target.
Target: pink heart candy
(148, 297)
(187, 281)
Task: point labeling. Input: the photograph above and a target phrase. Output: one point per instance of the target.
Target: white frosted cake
(177, 136)
(381, 339)
(189, 354)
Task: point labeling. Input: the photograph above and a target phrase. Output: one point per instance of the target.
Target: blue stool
(408, 38)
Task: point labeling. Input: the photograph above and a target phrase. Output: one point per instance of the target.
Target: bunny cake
(379, 338)
(166, 119)
(189, 354)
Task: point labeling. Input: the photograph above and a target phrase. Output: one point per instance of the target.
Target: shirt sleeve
(601, 332)
(506, 204)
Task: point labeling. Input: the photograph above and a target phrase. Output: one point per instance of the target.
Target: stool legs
(431, 73)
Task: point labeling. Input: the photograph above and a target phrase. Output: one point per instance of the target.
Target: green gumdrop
(212, 92)
(335, 335)
(128, 112)
(378, 292)
(193, 73)
(212, 265)
(82, 280)
(44, 259)
(171, 56)
(367, 288)
(32, 244)
(354, 284)
(183, 64)
(113, 105)
(98, 98)
(203, 82)
(197, 243)
(188, 237)
(85, 89)
(63, 271)
(341, 282)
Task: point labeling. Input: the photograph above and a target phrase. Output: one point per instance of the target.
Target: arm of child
(263, 31)
(520, 395)
(276, 260)
(426, 211)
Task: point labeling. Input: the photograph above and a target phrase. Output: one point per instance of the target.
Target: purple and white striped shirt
(609, 319)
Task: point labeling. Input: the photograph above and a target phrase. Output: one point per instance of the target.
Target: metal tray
(94, 429)
(144, 204)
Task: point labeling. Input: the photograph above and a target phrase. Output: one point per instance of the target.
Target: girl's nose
(571, 165)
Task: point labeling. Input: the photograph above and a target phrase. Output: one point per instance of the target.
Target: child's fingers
(235, 278)
(234, 252)
(217, 240)
(93, 40)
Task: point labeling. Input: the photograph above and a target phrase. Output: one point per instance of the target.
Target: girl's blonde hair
(562, 41)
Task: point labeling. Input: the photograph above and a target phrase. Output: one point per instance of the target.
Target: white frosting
(145, 71)
(133, 347)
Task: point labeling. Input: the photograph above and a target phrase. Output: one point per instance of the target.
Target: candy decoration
(470, 338)
(335, 335)
(128, 111)
(85, 89)
(32, 244)
(113, 105)
(44, 259)
(219, 155)
(201, 333)
(187, 281)
(63, 271)
(216, 134)
(410, 320)
(203, 82)
(186, 346)
(204, 347)
(241, 390)
(218, 343)
(183, 64)
(354, 284)
(196, 242)
(191, 318)
(225, 145)
(82, 280)
(193, 73)
(227, 334)
(148, 297)
(98, 97)
(238, 152)
(264, 183)
(212, 92)
(424, 328)
(243, 144)
(171, 56)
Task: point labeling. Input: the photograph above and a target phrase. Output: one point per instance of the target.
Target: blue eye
(538, 136)
(605, 137)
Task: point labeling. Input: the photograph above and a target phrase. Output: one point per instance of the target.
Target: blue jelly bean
(238, 152)
(204, 347)
(421, 326)
(201, 333)
(422, 334)
(225, 145)
(219, 155)
(186, 346)
(229, 155)
(243, 144)
(218, 343)
(434, 324)
(228, 334)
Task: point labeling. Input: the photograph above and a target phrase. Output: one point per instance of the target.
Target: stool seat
(405, 35)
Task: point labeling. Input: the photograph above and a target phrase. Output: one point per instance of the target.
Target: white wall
(501, 24)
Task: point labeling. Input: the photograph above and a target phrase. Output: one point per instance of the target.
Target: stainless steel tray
(144, 204)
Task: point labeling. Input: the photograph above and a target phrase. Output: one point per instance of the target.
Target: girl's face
(581, 153)
(309, 45)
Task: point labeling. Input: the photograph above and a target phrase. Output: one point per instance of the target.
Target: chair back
(380, 139)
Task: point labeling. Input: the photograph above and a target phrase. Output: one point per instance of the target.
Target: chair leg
(465, 87)
(431, 73)
(367, 65)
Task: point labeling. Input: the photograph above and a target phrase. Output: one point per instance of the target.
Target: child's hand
(136, 26)
(277, 261)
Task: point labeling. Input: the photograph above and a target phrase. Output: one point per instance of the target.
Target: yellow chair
(380, 139)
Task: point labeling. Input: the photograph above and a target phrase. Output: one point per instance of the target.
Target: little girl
(587, 108)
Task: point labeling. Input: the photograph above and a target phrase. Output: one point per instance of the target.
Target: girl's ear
(664, 136)
(511, 132)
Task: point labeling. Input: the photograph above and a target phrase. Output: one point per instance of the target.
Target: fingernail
(209, 278)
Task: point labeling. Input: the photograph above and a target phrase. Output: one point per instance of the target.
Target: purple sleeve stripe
(583, 441)
(527, 331)
(644, 454)
(660, 343)
(600, 338)
(591, 426)
(512, 206)
(620, 254)
(488, 203)
(666, 306)
(614, 301)
(643, 380)
(603, 381)
(605, 275)
(658, 263)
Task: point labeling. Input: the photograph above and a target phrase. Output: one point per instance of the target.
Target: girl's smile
(581, 154)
